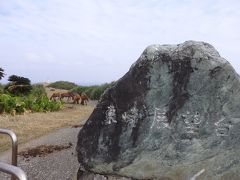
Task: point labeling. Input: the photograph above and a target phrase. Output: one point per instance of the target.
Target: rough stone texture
(174, 115)
(92, 176)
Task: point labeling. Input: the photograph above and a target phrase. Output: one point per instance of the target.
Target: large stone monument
(174, 115)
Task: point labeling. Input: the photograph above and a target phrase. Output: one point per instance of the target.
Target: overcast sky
(96, 41)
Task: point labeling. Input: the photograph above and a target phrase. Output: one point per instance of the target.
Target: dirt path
(51, 164)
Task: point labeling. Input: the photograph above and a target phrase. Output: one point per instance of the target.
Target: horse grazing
(84, 99)
(76, 98)
(55, 96)
(68, 95)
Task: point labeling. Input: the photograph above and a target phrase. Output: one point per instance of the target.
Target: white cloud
(32, 57)
(113, 32)
(40, 58)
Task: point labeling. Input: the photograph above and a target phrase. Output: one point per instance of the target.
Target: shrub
(29, 101)
(1, 88)
(7, 102)
(63, 85)
(11, 104)
(93, 92)
(38, 90)
(1, 107)
(43, 104)
(19, 105)
(55, 105)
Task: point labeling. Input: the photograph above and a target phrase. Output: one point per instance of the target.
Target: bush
(1, 88)
(19, 105)
(11, 104)
(29, 101)
(38, 90)
(7, 102)
(43, 104)
(93, 92)
(63, 85)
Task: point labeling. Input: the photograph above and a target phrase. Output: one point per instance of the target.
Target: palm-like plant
(18, 80)
(1, 73)
(18, 85)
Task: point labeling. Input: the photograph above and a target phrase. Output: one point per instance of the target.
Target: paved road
(61, 165)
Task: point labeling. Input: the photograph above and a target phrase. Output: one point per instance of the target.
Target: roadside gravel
(59, 165)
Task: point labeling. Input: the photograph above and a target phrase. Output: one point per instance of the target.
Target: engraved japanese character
(222, 127)
(160, 118)
(192, 122)
(131, 116)
(110, 115)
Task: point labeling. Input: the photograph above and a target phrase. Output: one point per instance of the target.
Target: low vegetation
(93, 92)
(19, 96)
(38, 90)
(1, 88)
(17, 104)
(63, 85)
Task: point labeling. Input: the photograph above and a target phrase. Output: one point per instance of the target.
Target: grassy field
(32, 125)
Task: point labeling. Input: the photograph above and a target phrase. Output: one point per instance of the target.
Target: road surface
(58, 165)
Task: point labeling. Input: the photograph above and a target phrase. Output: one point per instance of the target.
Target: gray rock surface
(92, 176)
(174, 115)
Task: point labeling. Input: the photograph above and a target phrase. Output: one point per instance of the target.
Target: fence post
(13, 137)
(16, 172)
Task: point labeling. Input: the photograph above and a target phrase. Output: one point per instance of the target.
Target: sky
(96, 41)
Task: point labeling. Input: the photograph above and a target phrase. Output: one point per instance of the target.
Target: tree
(18, 80)
(1, 73)
(18, 85)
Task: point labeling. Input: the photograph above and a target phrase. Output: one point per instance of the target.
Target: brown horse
(55, 96)
(68, 95)
(84, 99)
(76, 98)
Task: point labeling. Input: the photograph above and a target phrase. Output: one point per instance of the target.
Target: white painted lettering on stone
(110, 115)
(192, 122)
(130, 117)
(125, 117)
(160, 120)
(222, 127)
